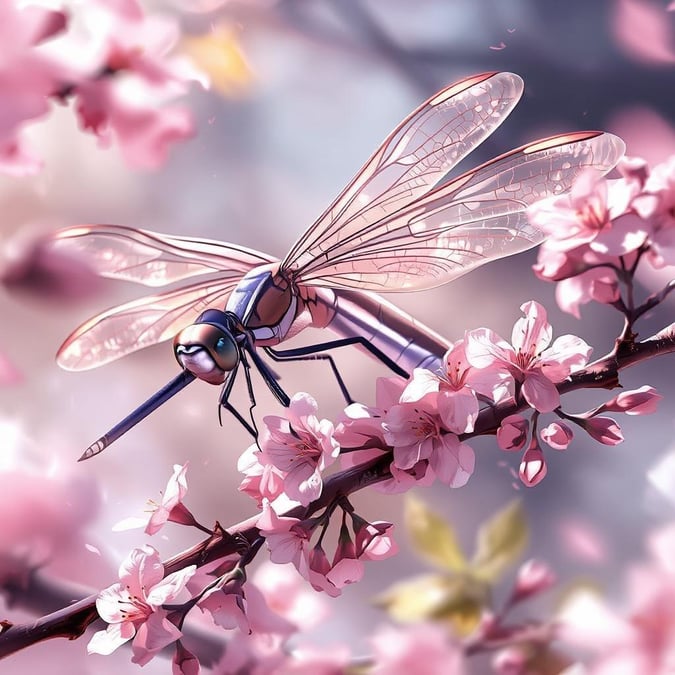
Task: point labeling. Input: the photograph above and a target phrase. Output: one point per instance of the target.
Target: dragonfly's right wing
(412, 159)
(152, 259)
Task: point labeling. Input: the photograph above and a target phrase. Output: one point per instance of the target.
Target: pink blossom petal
(171, 586)
(532, 333)
(107, 641)
(184, 661)
(458, 410)
(141, 569)
(152, 636)
(540, 392)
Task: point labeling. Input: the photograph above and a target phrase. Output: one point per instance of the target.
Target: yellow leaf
(432, 537)
(501, 540)
(416, 599)
(457, 601)
(219, 55)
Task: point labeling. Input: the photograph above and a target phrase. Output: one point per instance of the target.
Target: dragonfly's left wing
(478, 217)
(152, 259)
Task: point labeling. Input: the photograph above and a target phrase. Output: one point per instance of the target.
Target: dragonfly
(401, 224)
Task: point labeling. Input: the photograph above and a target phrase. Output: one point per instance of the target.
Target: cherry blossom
(301, 446)
(530, 360)
(172, 507)
(260, 480)
(416, 432)
(594, 212)
(133, 607)
(457, 385)
(287, 538)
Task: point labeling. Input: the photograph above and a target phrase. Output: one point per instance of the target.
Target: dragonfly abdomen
(406, 341)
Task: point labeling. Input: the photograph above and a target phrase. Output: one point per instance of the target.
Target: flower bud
(557, 435)
(533, 466)
(604, 430)
(642, 401)
(512, 432)
(534, 576)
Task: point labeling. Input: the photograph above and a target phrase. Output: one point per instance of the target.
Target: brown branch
(71, 621)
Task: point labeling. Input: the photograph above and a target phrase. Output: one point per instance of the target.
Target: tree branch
(71, 621)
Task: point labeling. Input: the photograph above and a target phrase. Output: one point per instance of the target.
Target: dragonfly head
(208, 348)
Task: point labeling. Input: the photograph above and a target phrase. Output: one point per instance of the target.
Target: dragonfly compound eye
(206, 350)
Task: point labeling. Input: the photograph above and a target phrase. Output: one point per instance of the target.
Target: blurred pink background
(328, 81)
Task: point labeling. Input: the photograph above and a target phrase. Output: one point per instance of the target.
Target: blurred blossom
(9, 373)
(420, 649)
(48, 516)
(642, 30)
(583, 540)
(287, 594)
(184, 661)
(646, 132)
(112, 59)
(641, 640)
(510, 661)
(534, 576)
(30, 264)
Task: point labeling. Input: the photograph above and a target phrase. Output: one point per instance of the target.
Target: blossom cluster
(603, 229)
(109, 60)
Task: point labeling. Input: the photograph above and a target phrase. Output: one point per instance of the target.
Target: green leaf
(500, 541)
(432, 537)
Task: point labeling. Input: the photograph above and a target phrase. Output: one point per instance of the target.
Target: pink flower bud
(533, 466)
(603, 429)
(534, 576)
(510, 661)
(512, 433)
(642, 401)
(557, 435)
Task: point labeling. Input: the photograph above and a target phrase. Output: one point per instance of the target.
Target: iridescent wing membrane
(152, 260)
(392, 228)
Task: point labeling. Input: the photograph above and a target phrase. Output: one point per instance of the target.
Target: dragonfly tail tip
(93, 449)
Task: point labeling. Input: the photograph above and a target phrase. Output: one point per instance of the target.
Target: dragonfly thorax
(265, 303)
(208, 348)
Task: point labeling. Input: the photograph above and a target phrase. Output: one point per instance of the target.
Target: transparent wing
(412, 159)
(140, 323)
(478, 217)
(153, 259)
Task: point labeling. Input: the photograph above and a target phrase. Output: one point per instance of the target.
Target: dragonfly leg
(315, 352)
